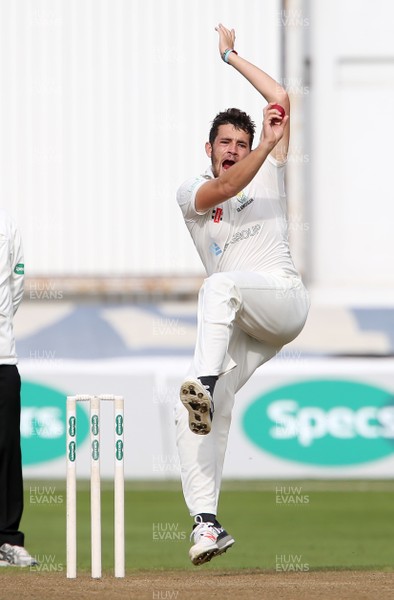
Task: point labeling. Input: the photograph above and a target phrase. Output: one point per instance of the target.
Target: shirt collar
(208, 173)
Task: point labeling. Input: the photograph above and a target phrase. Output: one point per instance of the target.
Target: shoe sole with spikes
(199, 404)
(221, 546)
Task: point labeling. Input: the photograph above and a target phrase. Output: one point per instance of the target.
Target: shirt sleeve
(17, 269)
(272, 176)
(186, 197)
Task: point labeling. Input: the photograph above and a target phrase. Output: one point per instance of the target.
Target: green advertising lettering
(323, 422)
(43, 424)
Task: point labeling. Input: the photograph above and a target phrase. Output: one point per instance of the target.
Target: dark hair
(235, 117)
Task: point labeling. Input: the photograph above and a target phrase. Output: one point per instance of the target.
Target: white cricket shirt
(11, 285)
(249, 232)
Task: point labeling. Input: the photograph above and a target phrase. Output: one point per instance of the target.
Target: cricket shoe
(15, 556)
(198, 401)
(209, 541)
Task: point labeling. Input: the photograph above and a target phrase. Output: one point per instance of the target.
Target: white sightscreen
(105, 108)
(352, 128)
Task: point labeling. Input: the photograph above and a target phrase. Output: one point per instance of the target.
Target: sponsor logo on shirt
(217, 215)
(244, 234)
(215, 249)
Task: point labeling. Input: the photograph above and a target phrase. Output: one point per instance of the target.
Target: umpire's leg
(11, 482)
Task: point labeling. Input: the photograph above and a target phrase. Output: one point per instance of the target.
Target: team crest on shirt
(243, 200)
(241, 197)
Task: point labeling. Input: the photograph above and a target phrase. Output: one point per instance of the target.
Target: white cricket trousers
(243, 320)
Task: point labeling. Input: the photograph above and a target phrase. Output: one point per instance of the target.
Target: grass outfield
(281, 526)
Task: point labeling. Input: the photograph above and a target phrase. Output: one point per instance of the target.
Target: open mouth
(226, 164)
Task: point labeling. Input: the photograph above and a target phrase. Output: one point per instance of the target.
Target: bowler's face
(229, 146)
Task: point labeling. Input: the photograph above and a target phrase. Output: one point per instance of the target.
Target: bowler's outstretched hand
(226, 38)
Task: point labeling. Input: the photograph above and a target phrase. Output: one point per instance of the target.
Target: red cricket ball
(279, 108)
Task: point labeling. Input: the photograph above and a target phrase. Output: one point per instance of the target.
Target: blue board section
(86, 334)
(377, 319)
(98, 331)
